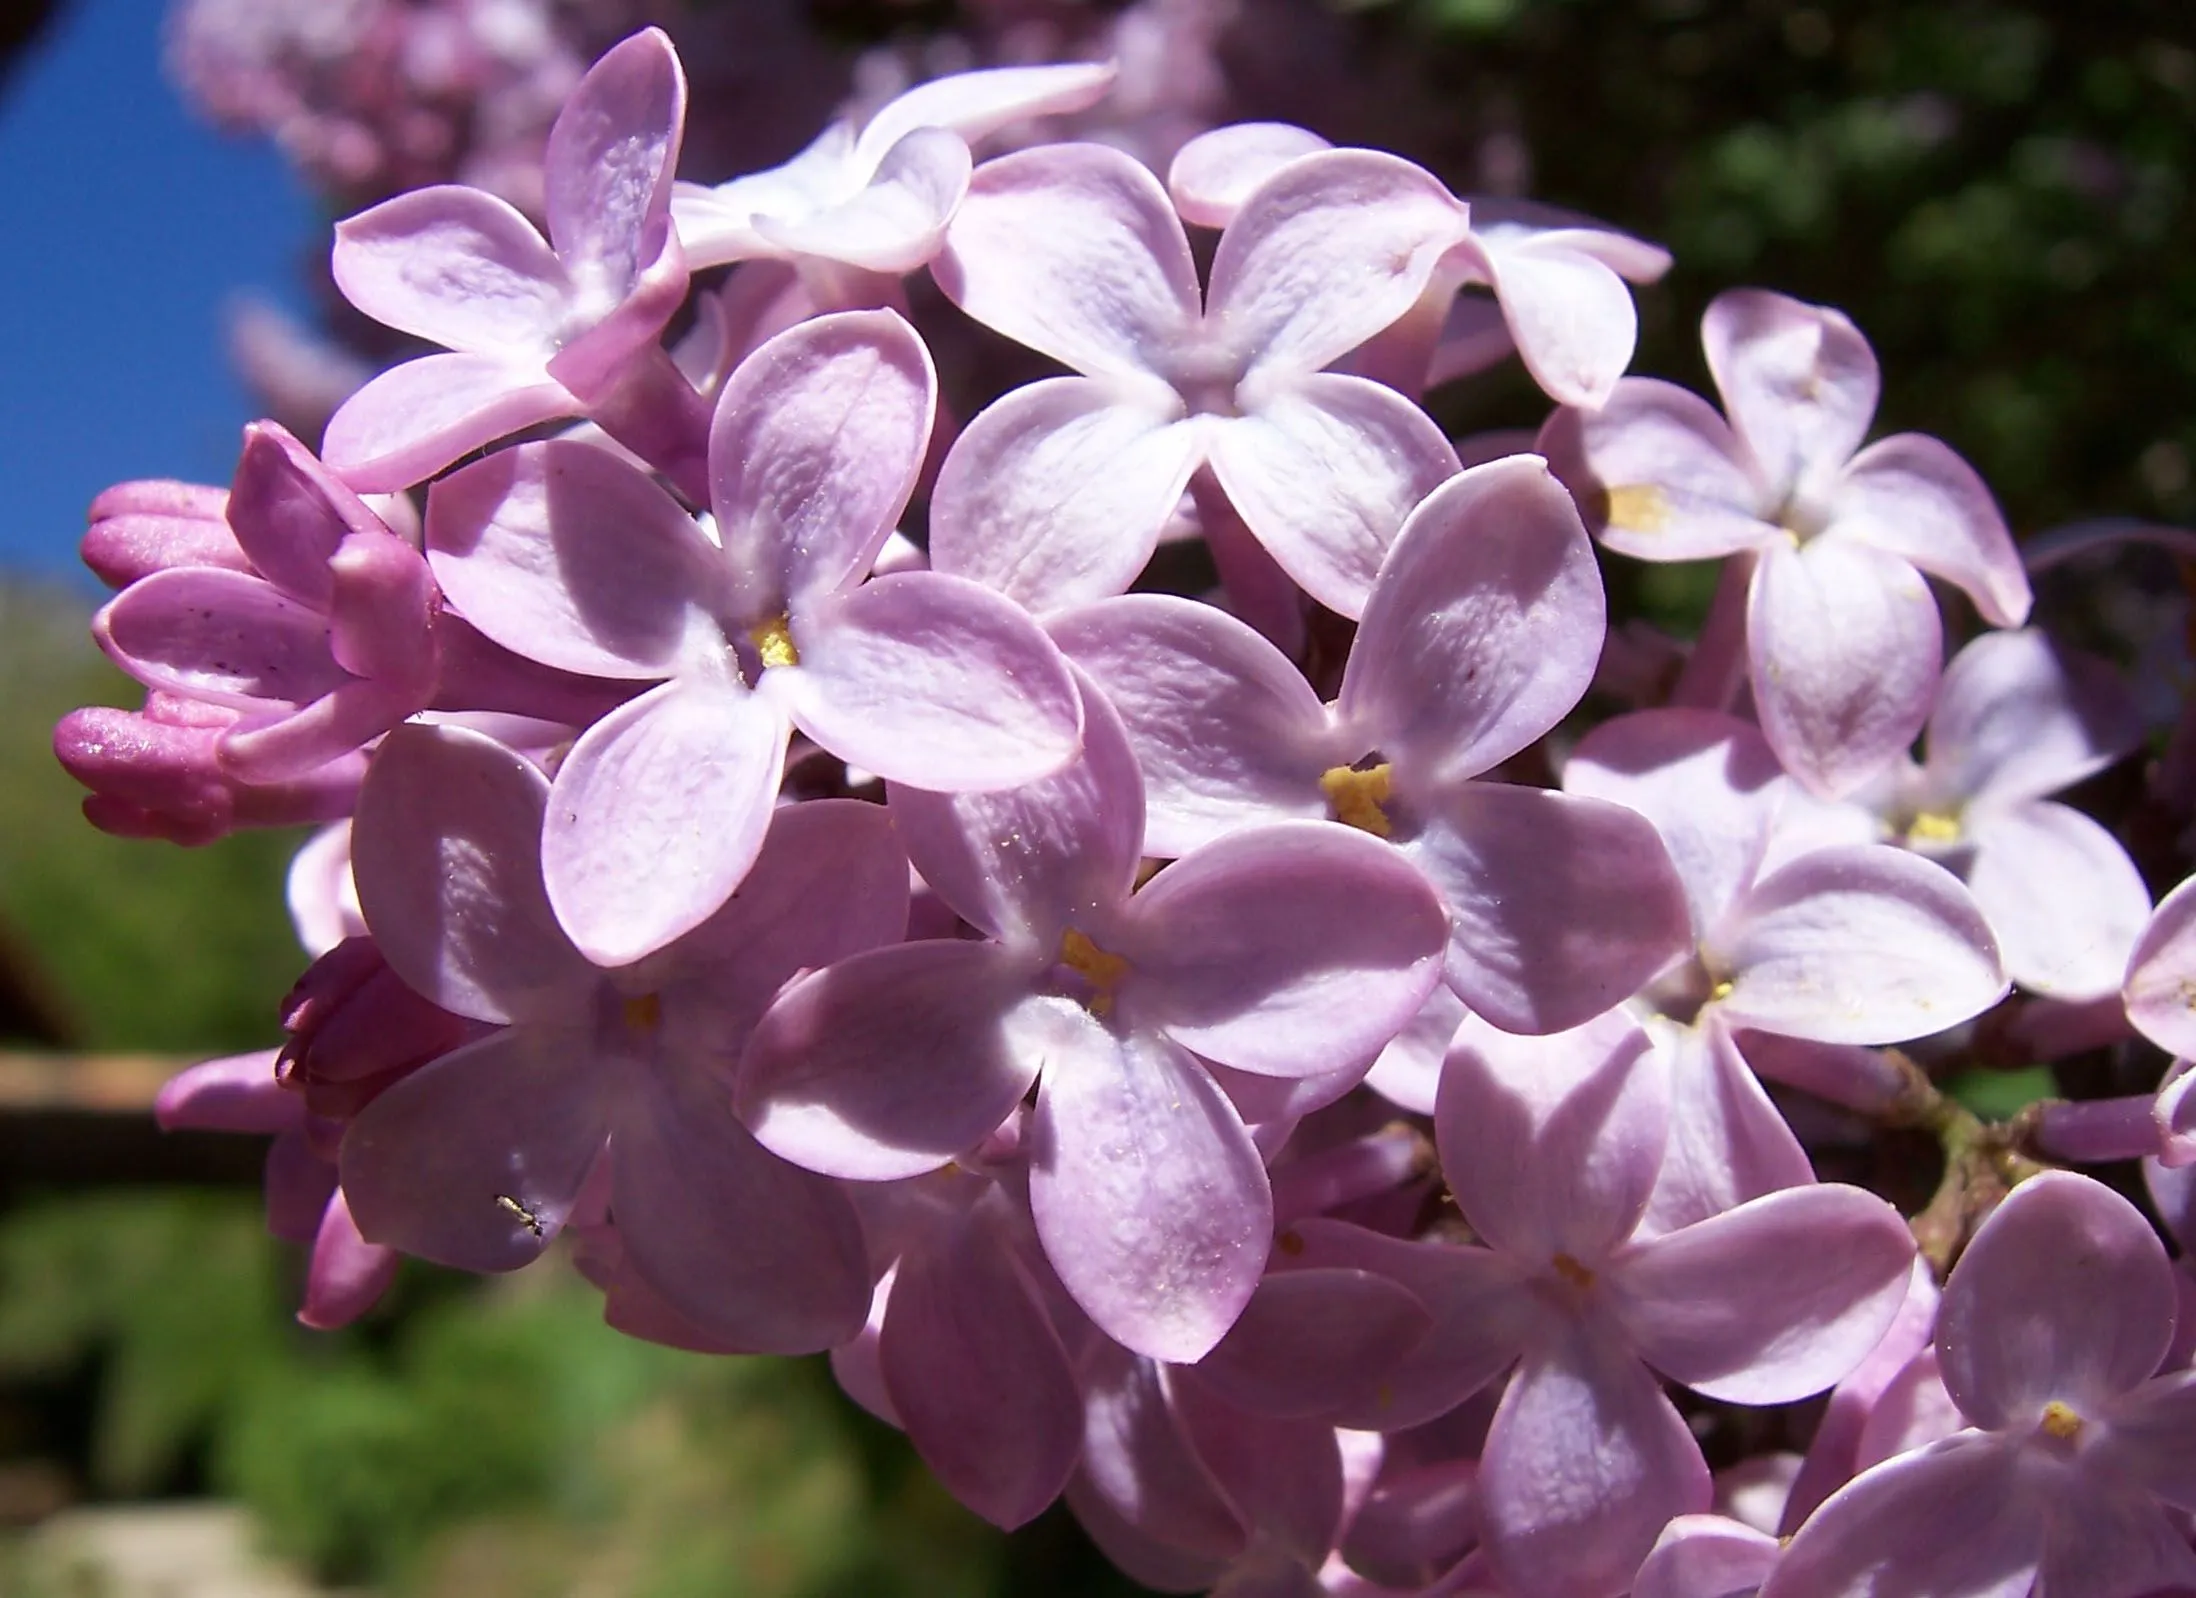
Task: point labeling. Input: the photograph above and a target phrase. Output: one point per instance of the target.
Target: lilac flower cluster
(1247, 1064)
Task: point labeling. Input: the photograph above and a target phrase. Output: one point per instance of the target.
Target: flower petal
(1075, 251)
(564, 554)
(2065, 1293)
(457, 267)
(1213, 174)
(892, 1062)
(2161, 974)
(220, 636)
(1799, 381)
(411, 421)
(933, 681)
(1483, 628)
(475, 1159)
(1845, 647)
(1055, 493)
(1312, 1341)
(816, 443)
(1323, 469)
(760, 1253)
(1861, 944)
(978, 104)
(1289, 950)
(2018, 717)
(2062, 896)
(1911, 496)
(446, 852)
(1728, 1142)
(1226, 731)
(1551, 1144)
(1658, 474)
(1770, 1302)
(1559, 907)
(1149, 1196)
(606, 175)
(896, 223)
(657, 813)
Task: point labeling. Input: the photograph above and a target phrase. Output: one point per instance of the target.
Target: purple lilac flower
(1287, 951)
(562, 552)
(1842, 636)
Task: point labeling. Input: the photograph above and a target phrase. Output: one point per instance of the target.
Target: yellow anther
(643, 1012)
(1573, 1272)
(1933, 826)
(1722, 990)
(1639, 508)
(773, 640)
(1356, 796)
(1104, 971)
(2060, 1422)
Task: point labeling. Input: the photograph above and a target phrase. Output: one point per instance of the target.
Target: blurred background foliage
(1998, 194)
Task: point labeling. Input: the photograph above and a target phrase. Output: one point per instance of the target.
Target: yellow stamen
(773, 640)
(1103, 970)
(2060, 1422)
(1356, 797)
(1639, 508)
(1722, 990)
(643, 1012)
(1934, 826)
(1573, 1272)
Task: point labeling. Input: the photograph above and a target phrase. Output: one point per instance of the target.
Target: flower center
(1636, 508)
(1932, 827)
(2059, 1421)
(773, 640)
(1573, 1272)
(1355, 797)
(1102, 969)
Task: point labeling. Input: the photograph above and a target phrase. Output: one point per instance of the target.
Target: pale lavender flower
(477, 1158)
(535, 328)
(1289, 951)
(1843, 639)
(562, 552)
(1479, 634)
(862, 207)
(1552, 1147)
(1859, 944)
(1057, 492)
(2078, 1468)
(2017, 718)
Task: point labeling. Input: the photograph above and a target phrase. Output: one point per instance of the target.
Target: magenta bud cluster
(1265, 1064)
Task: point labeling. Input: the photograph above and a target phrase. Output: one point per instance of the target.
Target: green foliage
(173, 1292)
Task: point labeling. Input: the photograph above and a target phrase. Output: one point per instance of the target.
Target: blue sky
(128, 225)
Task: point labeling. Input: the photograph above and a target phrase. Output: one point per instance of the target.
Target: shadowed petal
(1559, 907)
(1728, 1142)
(564, 554)
(2161, 974)
(1312, 1341)
(760, 1253)
(961, 1330)
(2065, 1293)
(220, 636)
(1148, 1194)
(476, 1158)
(1770, 1302)
(1585, 1464)
(446, 853)
(2018, 717)
(2062, 896)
